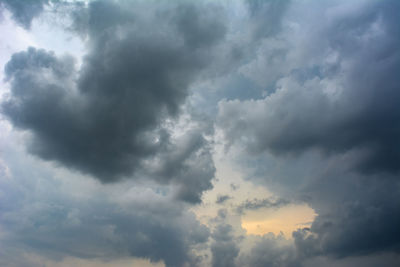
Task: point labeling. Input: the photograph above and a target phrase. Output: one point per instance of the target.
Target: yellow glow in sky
(77, 262)
(286, 220)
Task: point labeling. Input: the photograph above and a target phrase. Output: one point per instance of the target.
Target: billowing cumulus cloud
(329, 99)
(354, 221)
(266, 17)
(301, 96)
(52, 213)
(92, 221)
(109, 116)
(256, 203)
(224, 248)
(24, 11)
(270, 251)
(336, 98)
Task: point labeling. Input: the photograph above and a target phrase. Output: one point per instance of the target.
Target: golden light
(285, 220)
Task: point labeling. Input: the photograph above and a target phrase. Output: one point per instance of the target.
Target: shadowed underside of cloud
(326, 129)
(39, 217)
(23, 11)
(224, 248)
(269, 250)
(108, 119)
(361, 220)
(337, 94)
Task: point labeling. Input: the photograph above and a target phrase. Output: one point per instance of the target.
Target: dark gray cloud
(384, 260)
(224, 248)
(200, 28)
(256, 204)
(186, 162)
(333, 122)
(270, 251)
(234, 187)
(56, 230)
(266, 16)
(332, 108)
(362, 219)
(222, 199)
(309, 89)
(24, 11)
(107, 119)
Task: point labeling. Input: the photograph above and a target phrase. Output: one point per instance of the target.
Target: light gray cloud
(270, 251)
(57, 215)
(24, 11)
(353, 214)
(221, 199)
(266, 16)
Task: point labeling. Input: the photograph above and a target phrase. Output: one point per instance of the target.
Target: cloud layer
(336, 98)
(303, 96)
(108, 118)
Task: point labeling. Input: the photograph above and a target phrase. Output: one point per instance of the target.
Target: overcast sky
(244, 133)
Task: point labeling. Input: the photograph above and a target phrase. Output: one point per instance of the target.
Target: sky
(243, 133)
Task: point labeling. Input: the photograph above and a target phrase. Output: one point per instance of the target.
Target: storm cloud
(91, 221)
(270, 251)
(224, 248)
(336, 97)
(331, 102)
(108, 117)
(287, 104)
(23, 12)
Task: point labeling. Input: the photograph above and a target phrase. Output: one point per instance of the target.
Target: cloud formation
(303, 95)
(270, 251)
(336, 98)
(109, 117)
(224, 248)
(331, 102)
(222, 199)
(24, 11)
(256, 204)
(93, 222)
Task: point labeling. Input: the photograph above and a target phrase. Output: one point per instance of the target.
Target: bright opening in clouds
(248, 133)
